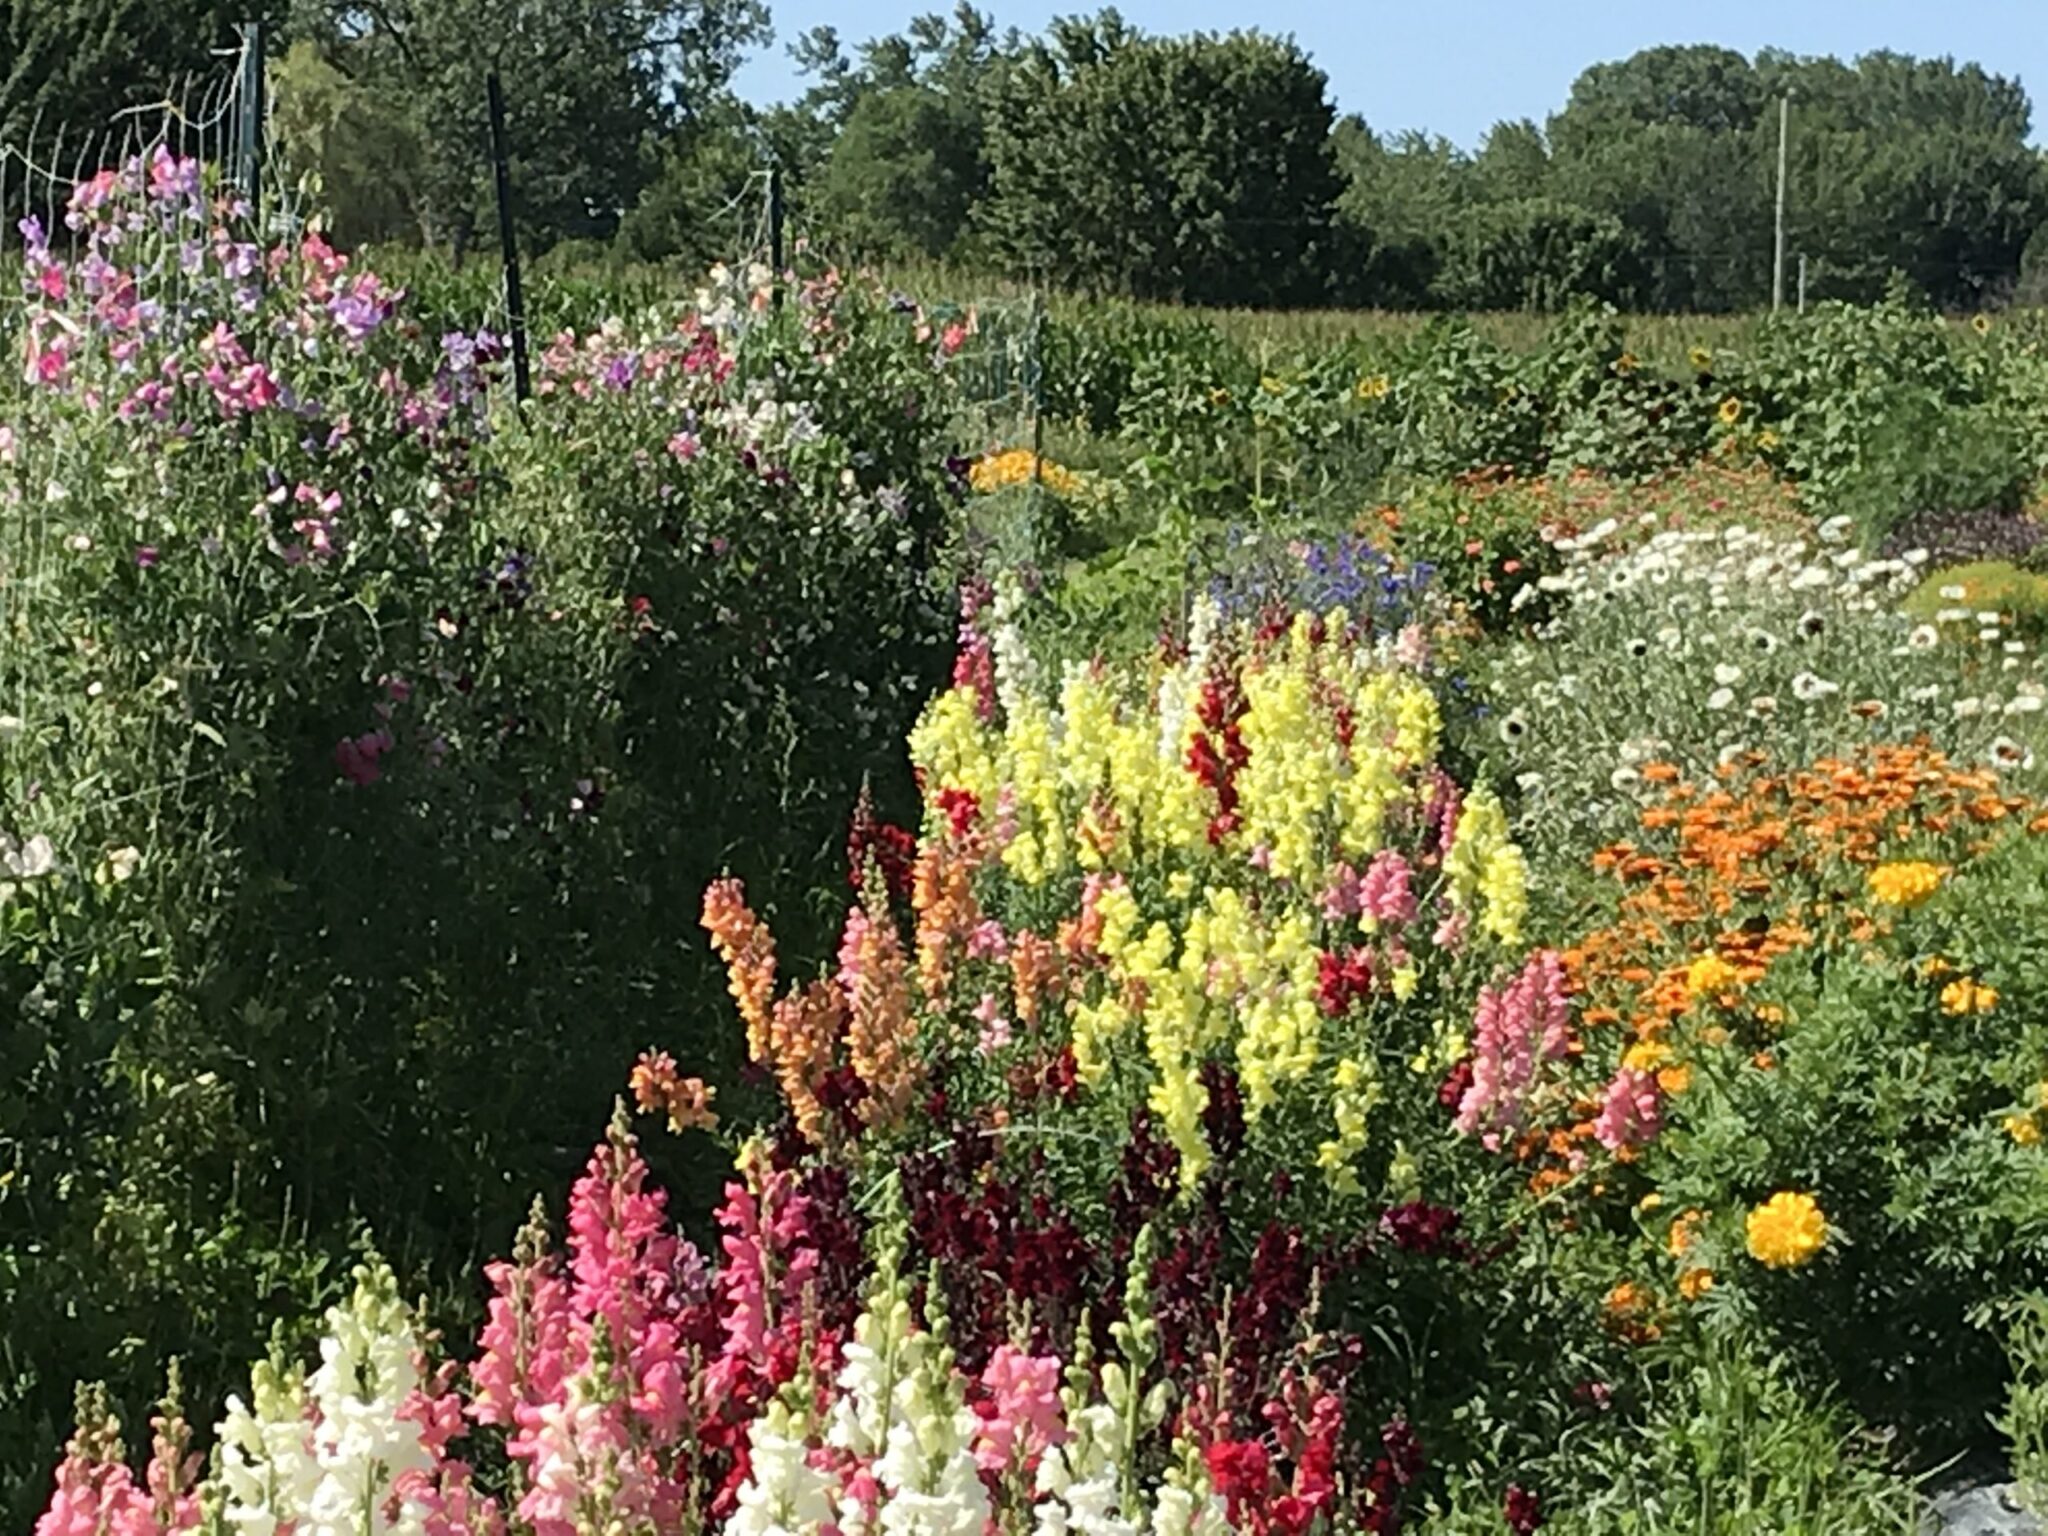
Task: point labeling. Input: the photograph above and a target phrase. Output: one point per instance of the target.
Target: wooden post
(1778, 259)
(249, 120)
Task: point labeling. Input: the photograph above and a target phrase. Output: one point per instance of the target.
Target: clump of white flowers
(1730, 640)
(330, 1452)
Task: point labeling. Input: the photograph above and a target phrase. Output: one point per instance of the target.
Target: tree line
(1203, 168)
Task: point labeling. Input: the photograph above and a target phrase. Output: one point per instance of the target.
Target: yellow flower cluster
(1963, 996)
(1709, 975)
(1787, 1230)
(1357, 1093)
(1019, 466)
(2025, 1126)
(1489, 876)
(1204, 821)
(1905, 884)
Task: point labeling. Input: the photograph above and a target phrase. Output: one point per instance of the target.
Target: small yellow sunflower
(1730, 412)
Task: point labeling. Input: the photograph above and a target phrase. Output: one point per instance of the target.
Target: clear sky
(1456, 67)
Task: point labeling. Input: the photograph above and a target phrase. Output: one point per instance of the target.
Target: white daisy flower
(1966, 709)
(1808, 687)
(1720, 698)
(1726, 674)
(1924, 637)
(2006, 753)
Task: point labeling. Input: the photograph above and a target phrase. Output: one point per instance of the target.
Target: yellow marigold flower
(1934, 966)
(1908, 884)
(1766, 440)
(1695, 1283)
(1650, 1202)
(2025, 1130)
(1730, 412)
(1787, 1230)
(1373, 387)
(1708, 975)
(1963, 996)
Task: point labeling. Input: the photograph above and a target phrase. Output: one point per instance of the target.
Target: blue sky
(1456, 67)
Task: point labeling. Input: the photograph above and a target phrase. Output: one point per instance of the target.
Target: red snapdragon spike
(1523, 1510)
(1454, 1087)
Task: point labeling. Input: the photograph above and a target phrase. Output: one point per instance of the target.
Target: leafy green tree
(71, 65)
(592, 88)
(355, 150)
(1538, 253)
(1198, 168)
(905, 173)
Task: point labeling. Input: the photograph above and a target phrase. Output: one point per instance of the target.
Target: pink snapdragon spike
(1515, 1032)
(1631, 1112)
(1020, 1411)
(1384, 894)
(96, 1493)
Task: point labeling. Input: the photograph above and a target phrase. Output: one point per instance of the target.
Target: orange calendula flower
(1695, 1283)
(1787, 1231)
(1683, 1231)
(1908, 884)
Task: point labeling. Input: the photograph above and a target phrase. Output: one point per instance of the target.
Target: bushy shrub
(368, 740)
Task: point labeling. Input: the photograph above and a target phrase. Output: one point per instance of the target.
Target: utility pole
(775, 257)
(1802, 282)
(1778, 258)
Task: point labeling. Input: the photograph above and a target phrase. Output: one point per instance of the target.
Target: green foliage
(2018, 596)
(68, 66)
(590, 89)
(2025, 1421)
(905, 173)
(1082, 125)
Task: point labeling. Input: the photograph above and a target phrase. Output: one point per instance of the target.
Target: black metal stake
(515, 294)
(249, 123)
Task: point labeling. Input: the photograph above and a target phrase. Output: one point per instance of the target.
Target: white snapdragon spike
(268, 1472)
(325, 1459)
(1015, 667)
(1077, 1481)
(784, 1495)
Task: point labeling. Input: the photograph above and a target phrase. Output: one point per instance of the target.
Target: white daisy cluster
(1700, 646)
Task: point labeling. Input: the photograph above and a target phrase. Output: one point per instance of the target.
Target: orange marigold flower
(1680, 1239)
(1695, 1283)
